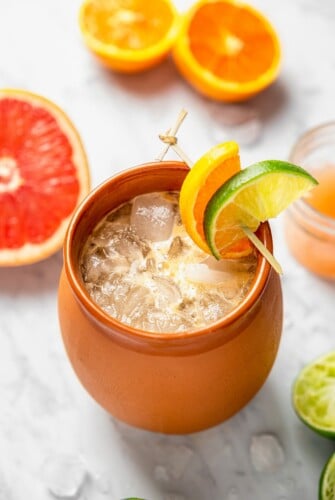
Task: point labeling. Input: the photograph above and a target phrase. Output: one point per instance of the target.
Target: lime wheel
(43, 176)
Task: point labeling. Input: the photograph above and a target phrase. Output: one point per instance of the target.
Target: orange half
(227, 50)
(206, 176)
(129, 35)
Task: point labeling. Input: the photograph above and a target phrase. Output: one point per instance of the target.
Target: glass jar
(172, 383)
(310, 234)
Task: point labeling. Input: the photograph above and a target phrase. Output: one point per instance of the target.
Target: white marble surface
(44, 412)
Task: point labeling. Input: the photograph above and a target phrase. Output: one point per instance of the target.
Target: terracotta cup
(171, 383)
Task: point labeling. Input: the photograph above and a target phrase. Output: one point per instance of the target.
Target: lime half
(314, 395)
(252, 196)
(327, 480)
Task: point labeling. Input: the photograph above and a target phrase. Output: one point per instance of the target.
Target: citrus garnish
(227, 50)
(43, 176)
(209, 173)
(129, 35)
(327, 480)
(250, 197)
(314, 395)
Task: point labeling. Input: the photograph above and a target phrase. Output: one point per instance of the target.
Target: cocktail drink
(141, 267)
(310, 222)
(179, 342)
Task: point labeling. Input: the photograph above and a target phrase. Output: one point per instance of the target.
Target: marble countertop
(52, 435)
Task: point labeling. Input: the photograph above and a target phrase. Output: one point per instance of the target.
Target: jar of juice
(176, 382)
(310, 222)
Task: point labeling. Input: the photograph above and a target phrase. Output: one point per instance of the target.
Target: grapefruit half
(43, 176)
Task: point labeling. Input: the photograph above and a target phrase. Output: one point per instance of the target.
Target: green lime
(251, 196)
(327, 480)
(314, 395)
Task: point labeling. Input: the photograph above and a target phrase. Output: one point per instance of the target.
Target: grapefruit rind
(30, 253)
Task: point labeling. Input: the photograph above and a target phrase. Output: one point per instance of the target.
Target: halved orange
(129, 35)
(227, 50)
(207, 175)
(43, 176)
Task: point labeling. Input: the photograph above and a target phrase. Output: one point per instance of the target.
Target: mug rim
(142, 336)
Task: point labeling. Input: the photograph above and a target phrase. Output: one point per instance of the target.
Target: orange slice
(43, 176)
(207, 175)
(129, 35)
(227, 50)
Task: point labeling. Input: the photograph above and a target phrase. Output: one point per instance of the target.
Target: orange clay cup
(171, 383)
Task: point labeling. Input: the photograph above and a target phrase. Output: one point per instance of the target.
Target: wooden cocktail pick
(170, 140)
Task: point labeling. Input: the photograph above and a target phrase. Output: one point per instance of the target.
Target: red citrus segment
(32, 138)
(43, 176)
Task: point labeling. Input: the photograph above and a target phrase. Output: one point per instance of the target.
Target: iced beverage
(175, 382)
(140, 266)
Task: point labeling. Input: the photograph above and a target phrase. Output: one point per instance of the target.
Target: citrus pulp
(129, 35)
(250, 197)
(43, 176)
(314, 395)
(207, 174)
(227, 50)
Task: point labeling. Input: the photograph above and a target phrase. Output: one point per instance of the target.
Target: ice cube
(232, 494)
(202, 273)
(246, 264)
(102, 482)
(128, 244)
(123, 211)
(161, 474)
(152, 217)
(64, 475)
(266, 453)
(211, 306)
(161, 321)
(166, 292)
(178, 457)
(138, 299)
(240, 121)
(96, 267)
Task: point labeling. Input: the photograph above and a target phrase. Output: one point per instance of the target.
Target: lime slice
(314, 395)
(327, 480)
(251, 196)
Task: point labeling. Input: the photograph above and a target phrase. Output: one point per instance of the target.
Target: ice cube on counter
(266, 453)
(64, 475)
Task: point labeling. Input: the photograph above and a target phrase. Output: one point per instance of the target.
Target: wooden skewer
(171, 133)
(171, 140)
(262, 249)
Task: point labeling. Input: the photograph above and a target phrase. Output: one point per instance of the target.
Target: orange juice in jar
(310, 222)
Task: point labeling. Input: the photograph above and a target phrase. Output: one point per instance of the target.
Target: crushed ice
(142, 268)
